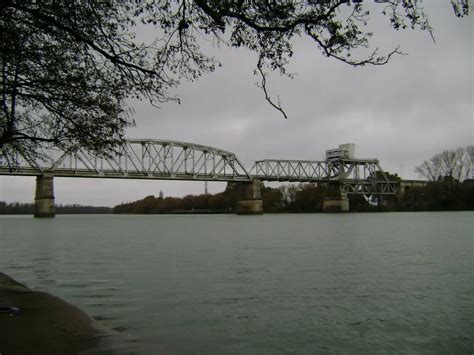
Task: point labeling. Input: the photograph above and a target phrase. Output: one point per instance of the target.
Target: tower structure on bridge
(344, 151)
(338, 200)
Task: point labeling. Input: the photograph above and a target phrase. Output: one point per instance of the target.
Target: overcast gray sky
(401, 113)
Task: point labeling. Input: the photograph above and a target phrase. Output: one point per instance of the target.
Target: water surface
(293, 283)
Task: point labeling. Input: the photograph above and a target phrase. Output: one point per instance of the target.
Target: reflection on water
(392, 282)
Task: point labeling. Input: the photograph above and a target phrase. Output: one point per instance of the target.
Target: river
(271, 284)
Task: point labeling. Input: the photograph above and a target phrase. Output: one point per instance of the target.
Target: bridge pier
(336, 204)
(250, 202)
(337, 200)
(44, 196)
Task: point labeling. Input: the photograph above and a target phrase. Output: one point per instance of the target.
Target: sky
(401, 113)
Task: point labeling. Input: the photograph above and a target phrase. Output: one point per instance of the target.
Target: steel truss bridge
(355, 176)
(173, 160)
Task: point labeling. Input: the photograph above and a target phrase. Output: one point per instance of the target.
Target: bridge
(174, 160)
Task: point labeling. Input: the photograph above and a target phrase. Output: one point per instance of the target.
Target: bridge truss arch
(136, 159)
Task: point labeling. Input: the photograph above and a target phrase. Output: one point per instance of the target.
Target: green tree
(309, 198)
(69, 66)
(271, 199)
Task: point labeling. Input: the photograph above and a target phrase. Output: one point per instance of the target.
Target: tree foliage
(448, 195)
(309, 198)
(29, 208)
(68, 67)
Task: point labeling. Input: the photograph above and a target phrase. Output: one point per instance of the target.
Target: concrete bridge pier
(337, 200)
(336, 204)
(44, 196)
(250, 202)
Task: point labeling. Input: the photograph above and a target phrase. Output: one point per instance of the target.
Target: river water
(272, 284)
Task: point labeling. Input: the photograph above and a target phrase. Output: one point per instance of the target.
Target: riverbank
(41, 323)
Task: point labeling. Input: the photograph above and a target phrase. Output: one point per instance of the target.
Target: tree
(453, 164)
(69, 67)
(469, 161)
(271, 199)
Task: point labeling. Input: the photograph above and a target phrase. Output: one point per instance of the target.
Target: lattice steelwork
(172, 160)
(355, 176)
(137, 159)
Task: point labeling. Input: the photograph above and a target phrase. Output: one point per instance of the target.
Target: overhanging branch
(263, 86)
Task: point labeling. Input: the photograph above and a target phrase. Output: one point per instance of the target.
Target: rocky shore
(33, 322)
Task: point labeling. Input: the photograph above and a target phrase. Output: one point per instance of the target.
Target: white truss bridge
(174, 160)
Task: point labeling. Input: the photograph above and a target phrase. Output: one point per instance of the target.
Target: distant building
(161, 194)
(344, 151)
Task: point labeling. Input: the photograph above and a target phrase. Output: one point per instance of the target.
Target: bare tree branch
(263, 86)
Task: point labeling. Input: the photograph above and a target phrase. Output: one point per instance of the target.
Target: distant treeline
(28, 208)
(223, 201)
(436, 196)
(447, 195)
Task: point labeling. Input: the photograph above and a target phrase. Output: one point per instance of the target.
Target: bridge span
(174, 160)
(135, 159)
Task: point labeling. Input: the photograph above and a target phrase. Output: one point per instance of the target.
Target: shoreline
(45, 324)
